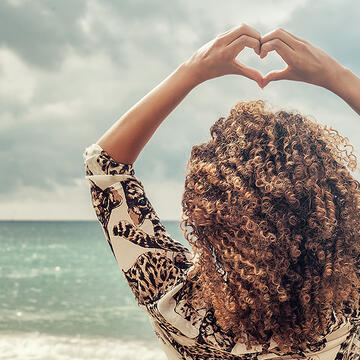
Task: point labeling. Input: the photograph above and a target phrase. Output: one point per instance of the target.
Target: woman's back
(270, 210)
(273, 214)
(184, 292)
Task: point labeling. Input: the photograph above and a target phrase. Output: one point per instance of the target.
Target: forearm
(347, 86)
(127, 136)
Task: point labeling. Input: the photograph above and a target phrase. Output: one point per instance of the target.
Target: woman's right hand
(305, 61)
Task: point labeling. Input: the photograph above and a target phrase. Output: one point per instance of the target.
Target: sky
(70, 69)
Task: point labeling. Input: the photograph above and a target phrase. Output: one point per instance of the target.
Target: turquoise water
(63, 296)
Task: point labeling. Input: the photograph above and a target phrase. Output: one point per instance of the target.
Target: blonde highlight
(271, 212)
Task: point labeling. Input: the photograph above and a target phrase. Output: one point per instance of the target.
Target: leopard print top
(155, 267)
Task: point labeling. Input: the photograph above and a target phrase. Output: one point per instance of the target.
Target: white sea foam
(22, 273)
(26, 346)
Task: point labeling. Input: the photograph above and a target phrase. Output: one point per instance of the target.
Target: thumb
(275, 75)
(241, 69)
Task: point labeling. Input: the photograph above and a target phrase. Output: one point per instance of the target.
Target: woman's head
(272, 212)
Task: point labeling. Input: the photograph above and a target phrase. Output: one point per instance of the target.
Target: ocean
(63, 296)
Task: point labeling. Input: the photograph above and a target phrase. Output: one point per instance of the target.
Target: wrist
(192, 73)
(341, 80)
(347, 86)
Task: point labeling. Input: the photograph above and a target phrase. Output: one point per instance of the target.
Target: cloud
(39, 31)
(74, 200)
(69, 70)
(330, 25)
(34, 203)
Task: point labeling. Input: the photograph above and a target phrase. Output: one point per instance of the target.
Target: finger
(295, 37)
(282, 35)
(276, 75)
(286, 52)
(244, 29)
(241, 69)
(244, 40)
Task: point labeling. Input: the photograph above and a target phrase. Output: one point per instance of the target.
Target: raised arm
(151, 260)
(127, 137)
(348, 88)
(310, 64)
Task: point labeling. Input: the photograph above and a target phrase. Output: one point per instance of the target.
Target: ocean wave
(26, 273)
(35, 345)
(96, 316)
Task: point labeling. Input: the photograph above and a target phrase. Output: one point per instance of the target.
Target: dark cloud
(36, 156)
(41, 151)
(39, 31)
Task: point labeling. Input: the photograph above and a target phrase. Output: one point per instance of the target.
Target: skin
(310, 64)
(125, 139)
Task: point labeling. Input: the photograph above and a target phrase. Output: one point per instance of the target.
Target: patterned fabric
(155, 266)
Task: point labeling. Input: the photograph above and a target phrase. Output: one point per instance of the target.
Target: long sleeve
(151, 261)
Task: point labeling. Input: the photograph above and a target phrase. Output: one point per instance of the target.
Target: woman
(269, 208)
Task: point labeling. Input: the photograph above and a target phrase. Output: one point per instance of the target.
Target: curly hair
(271, 212)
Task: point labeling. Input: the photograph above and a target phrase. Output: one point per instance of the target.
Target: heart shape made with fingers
(270, 63)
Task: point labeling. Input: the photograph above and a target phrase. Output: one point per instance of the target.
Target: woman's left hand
(218, 56)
